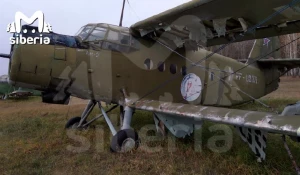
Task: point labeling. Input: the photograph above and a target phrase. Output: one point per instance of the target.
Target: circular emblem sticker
(191, 87)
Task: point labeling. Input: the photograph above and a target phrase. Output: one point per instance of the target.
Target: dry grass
(288, 89)
(34, 141)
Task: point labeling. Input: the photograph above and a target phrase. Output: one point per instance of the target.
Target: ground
(34, 141)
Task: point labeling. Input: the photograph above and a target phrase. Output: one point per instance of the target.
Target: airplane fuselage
(148, 70)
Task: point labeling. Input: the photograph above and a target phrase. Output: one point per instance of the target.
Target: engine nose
(29, 66)
(40, 65)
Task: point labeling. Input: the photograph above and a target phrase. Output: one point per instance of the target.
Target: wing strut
(290, 154)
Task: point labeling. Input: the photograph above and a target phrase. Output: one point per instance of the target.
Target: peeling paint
(194, 24)
(249, 119)
(243, 24)
(220, 26)
(238, 120)
(287, 128)
(209, 34)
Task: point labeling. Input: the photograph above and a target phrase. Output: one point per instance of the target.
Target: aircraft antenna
(122, 13)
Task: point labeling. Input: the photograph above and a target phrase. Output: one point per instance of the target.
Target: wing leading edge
(215, 22)
(287, 125)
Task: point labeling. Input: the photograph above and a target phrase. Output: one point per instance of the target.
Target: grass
(34, 141)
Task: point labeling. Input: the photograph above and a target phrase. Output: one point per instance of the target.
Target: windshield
(97, 34)
(84, 31)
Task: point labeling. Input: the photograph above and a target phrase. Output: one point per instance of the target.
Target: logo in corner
(191, 87)
(16, 28)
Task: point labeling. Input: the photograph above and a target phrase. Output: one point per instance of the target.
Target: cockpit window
(124, 38)
(101, 36)
(97, 34)
(113, 36)
(80, 30)
(84, 31)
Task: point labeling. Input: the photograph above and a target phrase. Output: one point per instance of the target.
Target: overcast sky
(67, 16)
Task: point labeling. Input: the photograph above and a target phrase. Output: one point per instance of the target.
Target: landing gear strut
(124, 140)
(80, 122)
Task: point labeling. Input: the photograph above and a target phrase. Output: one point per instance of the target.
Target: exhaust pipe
(5, 55)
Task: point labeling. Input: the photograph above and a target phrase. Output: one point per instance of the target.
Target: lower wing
(287, 125)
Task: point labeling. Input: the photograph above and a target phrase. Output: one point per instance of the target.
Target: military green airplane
(161, 65)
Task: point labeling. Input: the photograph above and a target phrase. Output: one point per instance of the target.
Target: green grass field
(33, 141)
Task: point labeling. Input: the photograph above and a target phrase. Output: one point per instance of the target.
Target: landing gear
(4, 97)
(124, 140)
(80, 122)
(73, 123)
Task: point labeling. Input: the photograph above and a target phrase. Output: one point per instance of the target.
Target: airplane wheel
(125, 141)
(73, 123)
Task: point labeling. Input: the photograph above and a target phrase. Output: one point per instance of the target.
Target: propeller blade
(4, 55)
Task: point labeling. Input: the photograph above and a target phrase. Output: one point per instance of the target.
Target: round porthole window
(173, 69)
(183, 70)
(161, 66)
(148, 64)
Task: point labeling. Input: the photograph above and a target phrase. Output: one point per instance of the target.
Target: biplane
(160, 65)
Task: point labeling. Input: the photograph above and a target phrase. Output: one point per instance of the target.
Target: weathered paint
(89, 71)
(206, 22)
(248, 119)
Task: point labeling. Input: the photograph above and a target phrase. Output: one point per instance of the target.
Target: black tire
(72, 122)
(120, 137)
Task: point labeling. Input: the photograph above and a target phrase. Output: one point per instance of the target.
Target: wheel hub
(128, 145)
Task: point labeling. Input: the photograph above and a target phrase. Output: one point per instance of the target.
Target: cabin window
(161, 66)
(134, 43)
(110, 46)
(173, 68)
(113, 36)
(124, 38)
(212, 76)
(183, 70)
(148, 64)
(97, 34)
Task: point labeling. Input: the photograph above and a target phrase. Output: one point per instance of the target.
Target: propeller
(5, 55)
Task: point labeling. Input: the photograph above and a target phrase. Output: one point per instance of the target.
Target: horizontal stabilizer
(280, 63)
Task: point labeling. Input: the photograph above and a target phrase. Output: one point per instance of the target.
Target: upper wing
(215, 22)
(288, 125)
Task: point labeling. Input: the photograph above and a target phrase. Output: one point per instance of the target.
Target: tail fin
(266, 49)
(262, 49)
